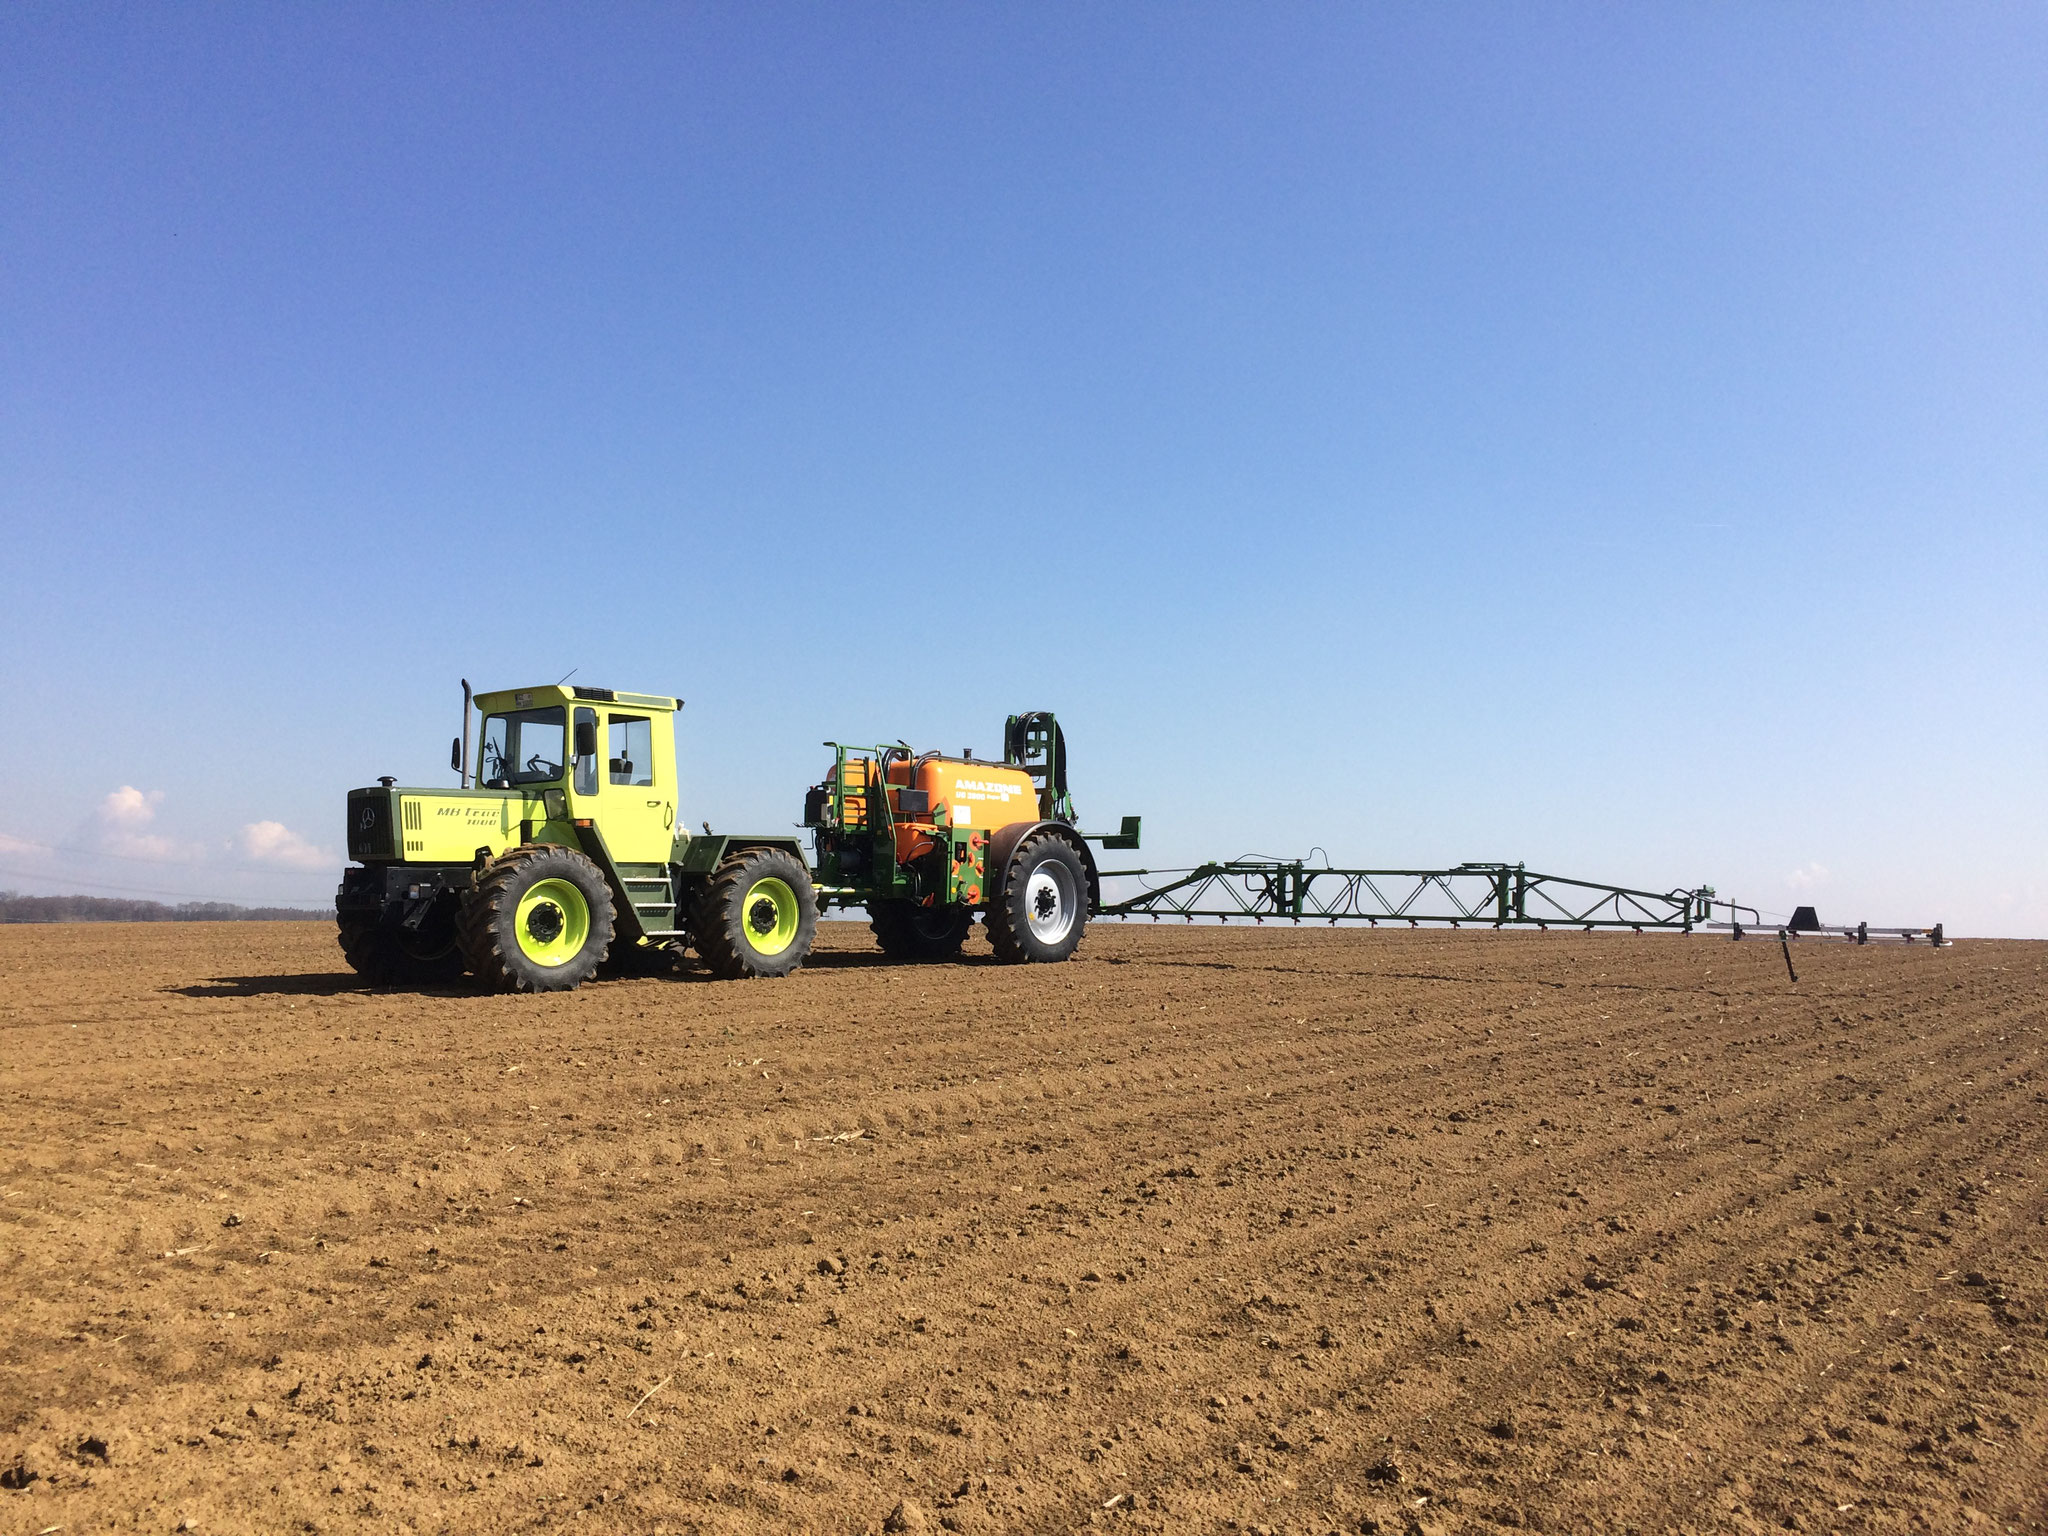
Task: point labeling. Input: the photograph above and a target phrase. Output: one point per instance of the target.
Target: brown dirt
(1208, 1230)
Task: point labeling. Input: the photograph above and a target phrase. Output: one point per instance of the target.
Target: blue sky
(1614, 438)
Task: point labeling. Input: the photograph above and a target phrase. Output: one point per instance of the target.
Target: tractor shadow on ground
(335, 983)
(312, 984)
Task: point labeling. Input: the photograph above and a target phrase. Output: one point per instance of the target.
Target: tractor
(560, 853)
(563, 852)
(924, 842)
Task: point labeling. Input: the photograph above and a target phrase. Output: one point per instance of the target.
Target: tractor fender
(1004, 841)
(702, 855)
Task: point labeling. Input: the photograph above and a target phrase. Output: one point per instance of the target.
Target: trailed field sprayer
(564, 851)
(925, 841)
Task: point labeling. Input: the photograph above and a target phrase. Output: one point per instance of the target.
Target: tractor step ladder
(649, 896)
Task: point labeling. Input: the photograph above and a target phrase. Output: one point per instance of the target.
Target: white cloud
(272, 842)
(1808, 877)
(130, 807)
(123, 815)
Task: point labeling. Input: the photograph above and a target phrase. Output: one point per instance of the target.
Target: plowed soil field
(1208, 1230)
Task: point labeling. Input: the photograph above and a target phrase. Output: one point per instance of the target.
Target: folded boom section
(1488, 895)
(1496, 895)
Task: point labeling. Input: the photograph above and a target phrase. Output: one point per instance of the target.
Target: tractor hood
(391, 823)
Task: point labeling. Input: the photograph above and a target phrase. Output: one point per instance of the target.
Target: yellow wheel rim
(552, 922)
(769, 915)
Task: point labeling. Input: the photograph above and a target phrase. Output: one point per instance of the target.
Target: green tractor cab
(562, 851)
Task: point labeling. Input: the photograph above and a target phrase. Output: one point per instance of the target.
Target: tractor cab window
(632, 750)
(525, 747)
(586, 751)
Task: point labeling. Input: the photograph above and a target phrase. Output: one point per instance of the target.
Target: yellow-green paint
(638, 821)
(553, 922)
(448, 826)
(769, 915)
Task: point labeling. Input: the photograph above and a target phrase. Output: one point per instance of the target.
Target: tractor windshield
(525, 747)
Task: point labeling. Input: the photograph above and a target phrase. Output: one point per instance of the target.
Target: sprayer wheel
(907, 931)
(1041, 911)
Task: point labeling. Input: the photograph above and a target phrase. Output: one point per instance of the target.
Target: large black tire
(1040, 912)
(757, 916)
(907, 931)
(428, 956)
(539, 920)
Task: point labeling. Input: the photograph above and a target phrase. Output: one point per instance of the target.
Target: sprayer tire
(907, 931)
(1040, 913)
(757, 917)
(539, 920)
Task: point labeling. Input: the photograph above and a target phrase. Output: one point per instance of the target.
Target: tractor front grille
(369, 826)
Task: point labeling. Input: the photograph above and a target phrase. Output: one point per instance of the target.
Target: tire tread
(484, 924)
(715, 920)
(1007, 934)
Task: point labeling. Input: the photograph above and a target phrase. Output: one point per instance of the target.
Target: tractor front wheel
(539, 920)
(907, 931)
(757, 916)
(402, 957)
(1042, 908)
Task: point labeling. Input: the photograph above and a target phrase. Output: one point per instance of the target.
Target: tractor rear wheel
(1042, 908)
(428, 956)
(757, 916)
(907, 931)
(539, 920)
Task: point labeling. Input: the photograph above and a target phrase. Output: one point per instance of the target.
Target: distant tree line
(17, 908)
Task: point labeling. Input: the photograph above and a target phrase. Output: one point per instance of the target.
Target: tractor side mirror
(586, 738)
(455, 754)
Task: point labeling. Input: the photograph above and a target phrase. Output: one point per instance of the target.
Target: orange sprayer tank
(963, 794)
(978, 795)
